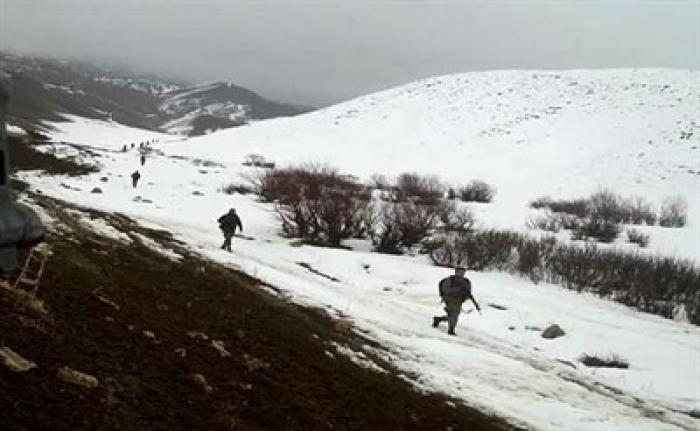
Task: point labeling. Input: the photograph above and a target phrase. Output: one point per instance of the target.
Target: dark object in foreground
(20, 226)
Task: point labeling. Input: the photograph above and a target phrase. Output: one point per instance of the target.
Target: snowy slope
(498, 362)
(511, 372)
(530, 134)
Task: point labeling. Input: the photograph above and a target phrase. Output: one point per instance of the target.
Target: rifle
(476, 305)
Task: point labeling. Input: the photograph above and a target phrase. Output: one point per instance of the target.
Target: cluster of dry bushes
(414, 212)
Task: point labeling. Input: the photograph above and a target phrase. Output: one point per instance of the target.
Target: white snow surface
(530, 134)
(498, 362)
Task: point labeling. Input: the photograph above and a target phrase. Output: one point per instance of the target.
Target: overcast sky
(319, 52)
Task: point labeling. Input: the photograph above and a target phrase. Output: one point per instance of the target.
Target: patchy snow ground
(498, 361)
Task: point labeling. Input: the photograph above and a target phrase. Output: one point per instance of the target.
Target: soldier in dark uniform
(228, 223)
(135, 177)
(454, 290)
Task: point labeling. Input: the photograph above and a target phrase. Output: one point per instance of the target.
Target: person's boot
(436, 321)
(451, 331)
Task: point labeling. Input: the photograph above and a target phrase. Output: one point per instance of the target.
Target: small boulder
(201, 381)
(69, 375)
(553, 331)
(14, 362)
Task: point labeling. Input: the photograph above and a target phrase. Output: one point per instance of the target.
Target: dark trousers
(451, 317)
(228, 235)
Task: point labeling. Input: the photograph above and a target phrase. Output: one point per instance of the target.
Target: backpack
(450, 280)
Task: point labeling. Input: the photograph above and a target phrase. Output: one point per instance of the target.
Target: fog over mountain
(318, 53)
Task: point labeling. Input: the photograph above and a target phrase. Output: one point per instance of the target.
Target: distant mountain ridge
(44, 89)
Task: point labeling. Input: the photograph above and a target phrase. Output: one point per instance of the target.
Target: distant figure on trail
(124, 149)
(135, 177)
(228, 223)
(143, 159)
(454, 290)
(133, 145)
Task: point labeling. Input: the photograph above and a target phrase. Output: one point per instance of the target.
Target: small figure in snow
(454, 290)
(132, 145)
(135, 177)
(124, 149)
(228, 223)
(143, 159)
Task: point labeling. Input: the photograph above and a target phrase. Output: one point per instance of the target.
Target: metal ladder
(32, 270)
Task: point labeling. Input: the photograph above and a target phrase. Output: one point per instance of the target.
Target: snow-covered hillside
(460, 128)
(563, 134)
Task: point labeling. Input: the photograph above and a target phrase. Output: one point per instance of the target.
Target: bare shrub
(570, 222)
(576, 207)
(477, 191)
(449, 250)
(451, 193)
(597, 228)
(405, 224)
(239, 188)
(574, 266)
(380, 182)
(317, 203)
(635, 236)
(544, 202)
(457, 218)
(387, 241)
(605, 205)
(674, 212)
(549, 222)
(532, 256)
(489, 249)
(612, 361)
(641, 212)
(425, 190)
(654, 284)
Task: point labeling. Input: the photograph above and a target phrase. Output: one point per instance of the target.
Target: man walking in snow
(228, 223)
(454, 290)
(135, 178)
